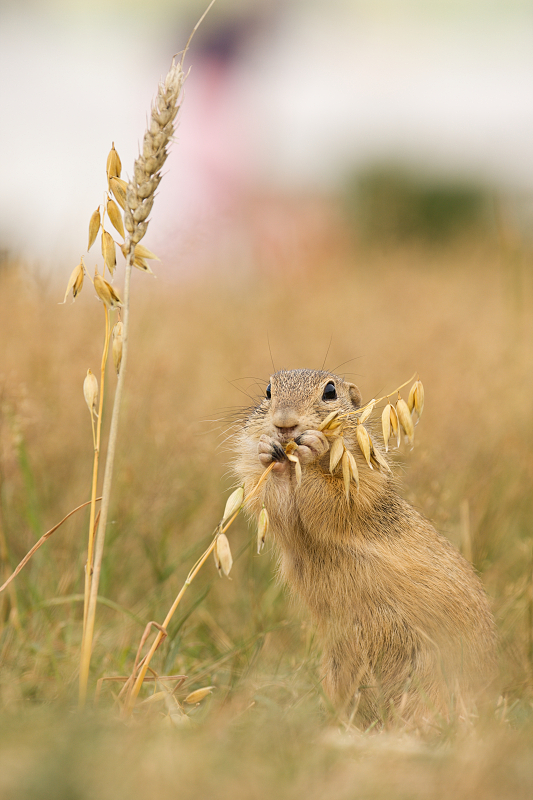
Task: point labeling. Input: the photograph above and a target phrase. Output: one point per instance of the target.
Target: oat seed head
(198, 695)
(405, 419)
(335, 454)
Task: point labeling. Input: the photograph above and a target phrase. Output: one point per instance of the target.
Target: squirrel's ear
(355, 394)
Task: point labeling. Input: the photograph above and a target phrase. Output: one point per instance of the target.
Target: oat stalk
(140, 195)
(144, 664)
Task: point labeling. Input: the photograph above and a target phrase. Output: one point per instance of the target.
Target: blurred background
(422, 106)
(351, 184)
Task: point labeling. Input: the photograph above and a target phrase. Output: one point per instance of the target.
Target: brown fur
(404, 620)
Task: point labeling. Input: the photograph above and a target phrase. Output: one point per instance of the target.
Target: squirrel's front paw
(270, 450)
(311, 445)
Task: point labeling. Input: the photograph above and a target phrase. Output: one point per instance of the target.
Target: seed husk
(115, 216)
(405, 419)
(395, 424)
(113, 166)
(335, 454)
(419, 398)
(108, 251)
(263, 524)
(346, 473)
(386, 425)
(222, 554)
(142, 252)
(105, 292)
(75, 282)
(367, 412)
(380, 461)
(233, 503)
(143, 265)
(198, 695)
(94, 227)
(90, 391)
(324, 425)
(411, 398)
(363, 440)
(117, 345)
(297, 468)
(353, 468)
(118, 187)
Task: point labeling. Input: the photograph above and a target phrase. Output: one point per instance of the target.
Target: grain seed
(233, 503)
(115, 216)
(75, 282)
(363, 440)
(94, 227)
(335, 455)
(105, 292)
(113, 166)
(198, 695)
(222, 554)
(108, 251)
(262, 529)
(90, 391)
(405, 419)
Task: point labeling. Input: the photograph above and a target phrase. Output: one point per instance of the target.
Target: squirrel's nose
(285, 418)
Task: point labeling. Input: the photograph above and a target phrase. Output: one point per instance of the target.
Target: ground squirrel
(404, 621)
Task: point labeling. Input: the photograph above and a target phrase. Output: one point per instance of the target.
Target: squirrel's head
(299, 399)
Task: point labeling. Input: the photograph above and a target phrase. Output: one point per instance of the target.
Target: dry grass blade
(41, 541)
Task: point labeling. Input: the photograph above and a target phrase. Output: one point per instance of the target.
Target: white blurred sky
(317, 89)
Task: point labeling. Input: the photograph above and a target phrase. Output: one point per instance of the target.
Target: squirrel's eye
(268, 392)
(329, 392)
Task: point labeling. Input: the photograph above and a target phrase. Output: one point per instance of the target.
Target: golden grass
(461, 318)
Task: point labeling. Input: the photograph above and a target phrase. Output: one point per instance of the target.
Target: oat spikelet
(94, 227)
(363, 440)
(386, 425)
(222, 554)
(352, 463)
(105, 292)
(234, 503)
(147, 169)
(335, 453)
(418, 399)
(198, 695)
(90, 391)
(113, 166)
(346, 473)
(406, 420)
(328, 421)
(75, 282)
(367, 412)
(108, 251)
(262, 529)
(115, 216)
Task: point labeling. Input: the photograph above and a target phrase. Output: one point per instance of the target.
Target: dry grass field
(460, 315)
